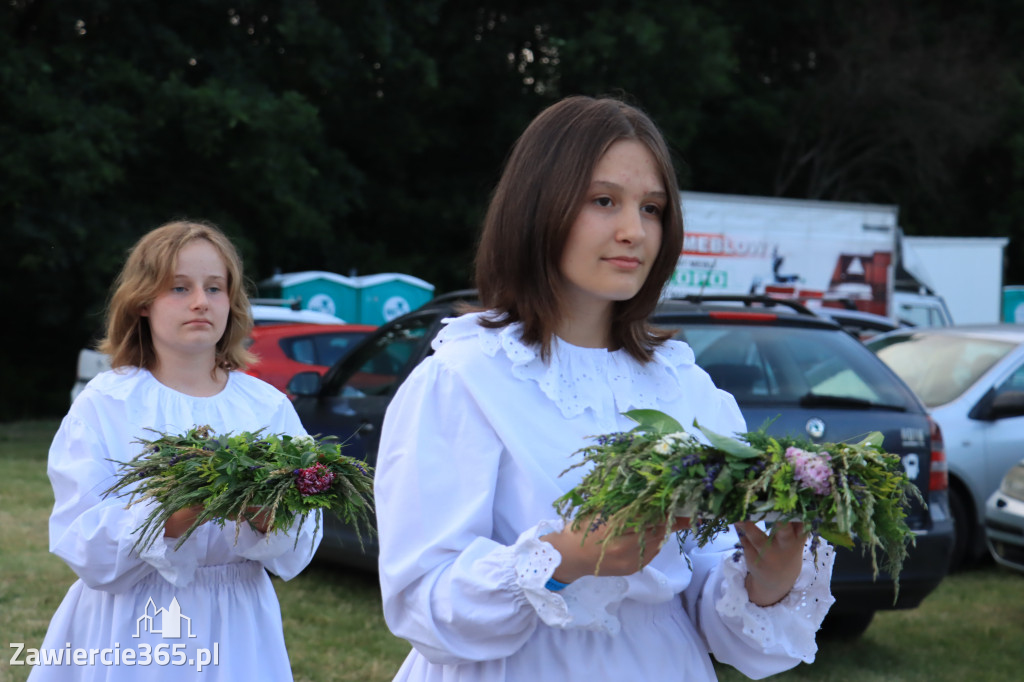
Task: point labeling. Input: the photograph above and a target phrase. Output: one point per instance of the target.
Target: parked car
(284, 350)
(782, 363)
(1004, 520)
(859, 324)
(263, 315)
(91, 362)
(971, 378)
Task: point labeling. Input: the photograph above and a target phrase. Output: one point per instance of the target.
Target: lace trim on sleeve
(588, 603)
(790, 625)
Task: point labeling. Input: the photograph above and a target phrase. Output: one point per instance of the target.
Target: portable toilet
(385, 296)
(325, 292)
(1013, 304)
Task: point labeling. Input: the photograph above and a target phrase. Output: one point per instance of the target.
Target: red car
(284, 350)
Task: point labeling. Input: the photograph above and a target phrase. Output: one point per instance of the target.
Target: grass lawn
(971, 628)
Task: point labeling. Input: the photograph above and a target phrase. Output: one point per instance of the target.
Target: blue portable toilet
(325, 292)
(385, 296)
(1013, 304)
(368, 299)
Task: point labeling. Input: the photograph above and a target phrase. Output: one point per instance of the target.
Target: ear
(144, 311)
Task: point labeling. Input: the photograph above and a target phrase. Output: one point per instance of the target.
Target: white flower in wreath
(304, 441)
(682, 438)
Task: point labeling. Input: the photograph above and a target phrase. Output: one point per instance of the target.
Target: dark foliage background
(367, 135)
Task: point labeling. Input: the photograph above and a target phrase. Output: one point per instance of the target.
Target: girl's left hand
(259, 518)
(773, 561)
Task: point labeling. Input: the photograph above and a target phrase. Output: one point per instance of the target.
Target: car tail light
(939, 478)
(745, 315)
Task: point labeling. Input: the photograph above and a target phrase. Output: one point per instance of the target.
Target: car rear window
(320, 349)
(781, 365)
(940, 367)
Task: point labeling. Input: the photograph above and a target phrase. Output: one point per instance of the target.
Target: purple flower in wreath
(619, 438)
(813, 469)
(314, 479)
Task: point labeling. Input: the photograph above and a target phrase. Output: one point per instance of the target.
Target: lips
(624, 262)
(199, 322)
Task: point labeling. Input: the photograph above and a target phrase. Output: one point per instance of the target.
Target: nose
(631, 227)
(200, 300)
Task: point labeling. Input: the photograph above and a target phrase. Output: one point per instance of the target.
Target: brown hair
(147, 272)
(532, 210)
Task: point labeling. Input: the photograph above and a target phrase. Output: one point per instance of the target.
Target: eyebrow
(214, 278)
(614, 185)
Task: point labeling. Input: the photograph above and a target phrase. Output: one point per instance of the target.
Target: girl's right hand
(181, 520)
(626, 554)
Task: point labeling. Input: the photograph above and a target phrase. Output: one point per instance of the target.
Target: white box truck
(835, 253)
(966, 271)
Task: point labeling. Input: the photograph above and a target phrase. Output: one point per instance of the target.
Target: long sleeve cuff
(252, 544)
(787, 628)
(588, 603)
(176, 566)
(284, 553)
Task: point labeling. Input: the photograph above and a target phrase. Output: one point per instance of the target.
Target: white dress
(471, 459)
(159, 616)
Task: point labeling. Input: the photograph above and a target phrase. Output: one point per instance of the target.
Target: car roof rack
(292, 303)
(748, 300)
(458, 295)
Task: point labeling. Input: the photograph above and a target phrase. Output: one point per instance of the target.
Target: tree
(368, 135)
(118, 118)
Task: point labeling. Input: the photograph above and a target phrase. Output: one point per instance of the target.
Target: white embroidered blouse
(218, 580)
(471, 459)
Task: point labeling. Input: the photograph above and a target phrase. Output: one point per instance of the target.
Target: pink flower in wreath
(314, 479)
(812, 469)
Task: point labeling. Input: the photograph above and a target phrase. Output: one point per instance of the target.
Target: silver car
(1004, 520)
(971, 379)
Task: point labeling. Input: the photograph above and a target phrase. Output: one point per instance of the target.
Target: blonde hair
(148, 271)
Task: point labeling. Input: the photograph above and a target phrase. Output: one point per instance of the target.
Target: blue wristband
(554, 585)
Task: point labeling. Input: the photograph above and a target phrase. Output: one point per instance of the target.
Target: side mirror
(305, 384)
(1008, 404)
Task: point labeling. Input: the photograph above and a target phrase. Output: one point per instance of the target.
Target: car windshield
(793, 366)
(939, 367)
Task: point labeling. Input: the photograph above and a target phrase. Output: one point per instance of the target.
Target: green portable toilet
(1013, 304)
(326, 292)
(385, 296)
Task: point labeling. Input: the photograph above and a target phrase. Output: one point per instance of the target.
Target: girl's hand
(181, 520)
(773, 562)
(260, 520)
(624, 555)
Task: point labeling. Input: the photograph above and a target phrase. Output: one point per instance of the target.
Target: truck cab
(920, 310)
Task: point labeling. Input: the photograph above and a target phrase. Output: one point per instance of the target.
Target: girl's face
(190, 316)
(615, 238)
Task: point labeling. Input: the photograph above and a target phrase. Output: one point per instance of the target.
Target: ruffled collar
(122, 383)
(575, 378)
